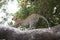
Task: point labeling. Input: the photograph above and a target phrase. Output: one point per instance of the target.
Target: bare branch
(10, 33)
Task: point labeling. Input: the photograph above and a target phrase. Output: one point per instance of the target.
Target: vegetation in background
(47, 8)
(5, 16)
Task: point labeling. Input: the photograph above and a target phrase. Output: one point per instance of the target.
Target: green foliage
(49, 9)
(41, 24)
(10, 23)
(53, 17)
(2, 2)
(23, 13)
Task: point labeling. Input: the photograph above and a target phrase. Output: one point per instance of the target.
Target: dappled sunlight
(11, 7)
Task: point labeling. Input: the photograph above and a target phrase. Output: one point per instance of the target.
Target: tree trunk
(10, 33)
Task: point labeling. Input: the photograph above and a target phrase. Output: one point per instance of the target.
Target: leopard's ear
(15, 18)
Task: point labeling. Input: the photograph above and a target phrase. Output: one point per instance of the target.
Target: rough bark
(10, 33)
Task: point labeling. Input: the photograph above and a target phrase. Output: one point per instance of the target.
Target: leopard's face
(17, 20)
(14, 19)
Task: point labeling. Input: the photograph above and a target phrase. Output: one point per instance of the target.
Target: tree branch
(10, 33)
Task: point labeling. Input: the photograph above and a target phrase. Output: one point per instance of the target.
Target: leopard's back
(31, 20)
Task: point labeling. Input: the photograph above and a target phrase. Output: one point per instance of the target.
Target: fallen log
(11, 33)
